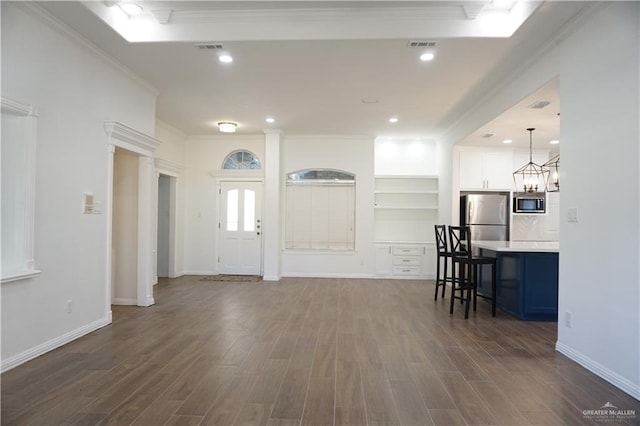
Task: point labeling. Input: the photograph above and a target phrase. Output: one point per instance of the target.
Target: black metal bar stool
(443, 255)
(467, 283)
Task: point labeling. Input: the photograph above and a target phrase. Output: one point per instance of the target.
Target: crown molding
(62, 28)
(453, 11)
(168, 166)
(129, 138)
(12, 107)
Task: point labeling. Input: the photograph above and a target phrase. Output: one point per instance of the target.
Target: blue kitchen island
(527, 277)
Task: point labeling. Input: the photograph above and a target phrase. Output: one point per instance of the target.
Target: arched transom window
(241, 160)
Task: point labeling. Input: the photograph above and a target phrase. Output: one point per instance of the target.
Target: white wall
(350, 153)
(125, 228)
(599, 268)
(404, 157)
(173, 146)
(75, 90)
(205, 154)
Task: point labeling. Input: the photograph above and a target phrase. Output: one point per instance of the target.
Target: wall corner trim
(600, 370)
(21, 358)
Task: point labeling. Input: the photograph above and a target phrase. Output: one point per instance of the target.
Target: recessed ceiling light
(270, 120)
(507, 141)
(554, 142)
(393, 120)
(427, 56)
(226, 58)
(227, 126)
(131, 8)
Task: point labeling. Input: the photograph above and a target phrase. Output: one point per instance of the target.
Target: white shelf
(405, 207)
(390, 191)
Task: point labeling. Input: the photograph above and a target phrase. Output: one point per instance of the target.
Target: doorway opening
(166, 242)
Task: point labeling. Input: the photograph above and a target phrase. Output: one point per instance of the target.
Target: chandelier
(531, 177)
(553, 179)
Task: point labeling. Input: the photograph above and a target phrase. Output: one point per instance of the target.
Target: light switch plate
(572, 214)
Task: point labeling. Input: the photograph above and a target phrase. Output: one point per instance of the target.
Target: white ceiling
(311, 64)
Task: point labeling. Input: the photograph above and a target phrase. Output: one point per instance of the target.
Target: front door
(240, 240)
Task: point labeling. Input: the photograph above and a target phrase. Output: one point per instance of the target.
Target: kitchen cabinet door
(486, 169)
(498, 170)
(384, 260)
(471, 170)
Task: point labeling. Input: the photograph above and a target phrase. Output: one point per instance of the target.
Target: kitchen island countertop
(519, 246)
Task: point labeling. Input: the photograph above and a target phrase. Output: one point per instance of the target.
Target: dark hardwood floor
(306, 351)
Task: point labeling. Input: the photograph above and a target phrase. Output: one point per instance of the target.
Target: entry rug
(233, 278)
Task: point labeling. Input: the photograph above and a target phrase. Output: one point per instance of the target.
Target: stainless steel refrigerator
(487, 214)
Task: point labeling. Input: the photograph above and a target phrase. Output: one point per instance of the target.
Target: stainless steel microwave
(530, 204)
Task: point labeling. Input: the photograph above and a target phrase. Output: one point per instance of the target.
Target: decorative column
(272, 216)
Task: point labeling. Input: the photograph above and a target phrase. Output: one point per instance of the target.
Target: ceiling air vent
(421, 43)
(209, 46)
(488, 135)
(539, 104)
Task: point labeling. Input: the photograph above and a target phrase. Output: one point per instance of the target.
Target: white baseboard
(271, 278)
(124, 301)
(21, 358)
(600, 370)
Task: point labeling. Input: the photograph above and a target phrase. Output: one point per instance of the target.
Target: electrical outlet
(572, 214)
(567, 319)
(69, 306)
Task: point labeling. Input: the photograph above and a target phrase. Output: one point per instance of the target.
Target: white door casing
(240, 228)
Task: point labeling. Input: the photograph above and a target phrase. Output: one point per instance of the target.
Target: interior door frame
(220, 176)
(173, 171)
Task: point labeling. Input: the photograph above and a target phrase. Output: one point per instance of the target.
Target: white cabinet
(485, 169)
(405, 260)
(405, 210)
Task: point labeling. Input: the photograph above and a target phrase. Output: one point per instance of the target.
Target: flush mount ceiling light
(393, 120)
(270, 120)
(427, 57)
(554, 142)
(225, 58)
(227, 127)
(131, 8)
(531, 176)
(507, 141)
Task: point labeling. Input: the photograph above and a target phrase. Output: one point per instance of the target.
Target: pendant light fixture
(531, 177)
(553, 179)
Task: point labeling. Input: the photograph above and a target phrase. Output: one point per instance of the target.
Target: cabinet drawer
(406, 270)
(407, 251)
(406, 260)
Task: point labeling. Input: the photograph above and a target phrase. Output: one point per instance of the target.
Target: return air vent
(209, 46)
(539, 104)
(421, 43)
(488, 135)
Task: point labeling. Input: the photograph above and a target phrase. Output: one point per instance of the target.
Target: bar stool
(442, 253)
(467, 283)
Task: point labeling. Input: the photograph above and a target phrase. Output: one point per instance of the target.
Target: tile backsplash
(538, 227)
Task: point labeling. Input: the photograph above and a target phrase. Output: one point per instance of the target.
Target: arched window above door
(241, 159)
